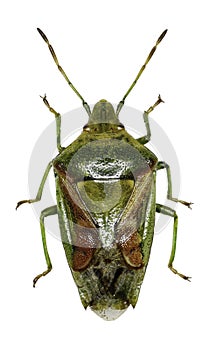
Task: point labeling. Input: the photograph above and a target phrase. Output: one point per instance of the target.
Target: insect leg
(46, 212)
(58, 123)
(164, 165)
(147, 137)
(170, 212)
(40, 190)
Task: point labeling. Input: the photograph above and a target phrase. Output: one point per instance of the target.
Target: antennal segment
(121, 103)
(85, 104)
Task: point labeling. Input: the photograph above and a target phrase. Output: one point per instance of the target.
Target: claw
(22, 202)
(186, 278)
(188, 204)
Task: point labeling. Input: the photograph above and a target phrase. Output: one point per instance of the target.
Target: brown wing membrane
(131, 251)
(132, 221)
(84, 234)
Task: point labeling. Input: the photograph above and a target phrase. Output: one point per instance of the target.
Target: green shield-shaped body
(106, 208)
(105, 190)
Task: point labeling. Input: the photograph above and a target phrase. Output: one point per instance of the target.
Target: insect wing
(137, 217)
(79, 232)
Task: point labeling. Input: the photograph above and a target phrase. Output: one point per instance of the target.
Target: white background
(101, 45)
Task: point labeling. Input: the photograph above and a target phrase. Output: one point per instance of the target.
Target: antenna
(85, 104)
(121, 103)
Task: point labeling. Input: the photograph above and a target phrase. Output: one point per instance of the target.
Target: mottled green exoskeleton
(105, 188)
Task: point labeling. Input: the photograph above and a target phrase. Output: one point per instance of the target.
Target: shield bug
(105, 189)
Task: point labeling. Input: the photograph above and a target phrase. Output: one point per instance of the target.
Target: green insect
(105, 189)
